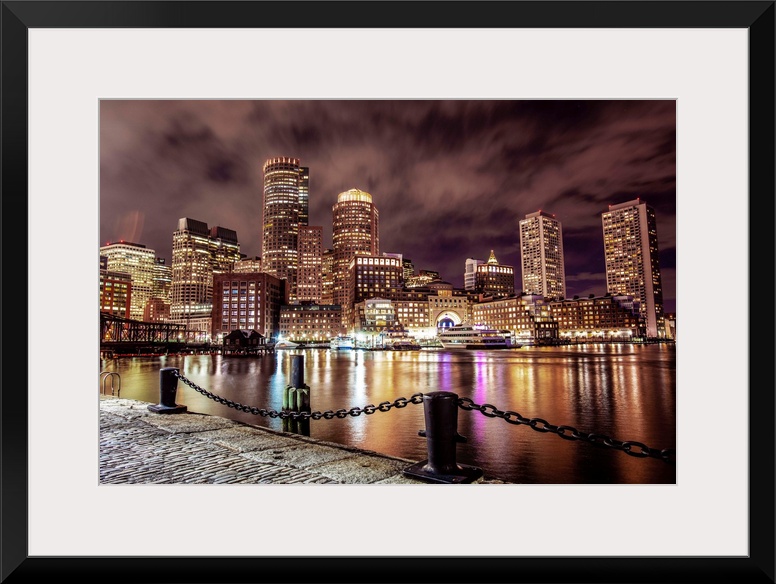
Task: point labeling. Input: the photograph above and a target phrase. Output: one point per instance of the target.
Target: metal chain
(630, 447)
(400, 402)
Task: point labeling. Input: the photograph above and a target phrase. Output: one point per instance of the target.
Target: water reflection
(624, 391)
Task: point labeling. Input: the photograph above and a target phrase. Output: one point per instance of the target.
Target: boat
(474, 337)
(405, 345)
(342, 342)
(397, 338)
(284, 344)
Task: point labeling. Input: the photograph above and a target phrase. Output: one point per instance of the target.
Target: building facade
(470, 273)
(247, 301)
(246, 264)
(632, 263)
(609, 318)
(541, 248)
(327, 276)
(310, 322)
(494, 279)
(281, 211)
(197, 254)
(115, 293)
(309, 282)
(139, 262)
(355, 232)
(371, 277)
(527, 317)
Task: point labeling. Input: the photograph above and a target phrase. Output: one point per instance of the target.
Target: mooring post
(440, 410)
(296, 398)
(168, 387)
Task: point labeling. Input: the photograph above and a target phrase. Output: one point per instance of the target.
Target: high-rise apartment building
(631, 257)
(355, 232)
(541, 248)
(309, 285)
(197, 254)
(281, 209)
(138, 261)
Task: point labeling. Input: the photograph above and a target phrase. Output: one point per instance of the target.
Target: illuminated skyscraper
(280, 255)
(304, 195)
(631, 256)
(309, 286)
(355, 231)
(138, 261)
(327, 276)
(495, 278)
(541, 248)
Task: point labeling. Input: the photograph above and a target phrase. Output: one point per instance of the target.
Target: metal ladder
(115, 388)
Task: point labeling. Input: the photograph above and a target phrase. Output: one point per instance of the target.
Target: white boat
(342, 342)
(286, 345)
(474, 337)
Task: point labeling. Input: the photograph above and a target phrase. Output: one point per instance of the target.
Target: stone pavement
(139, 446)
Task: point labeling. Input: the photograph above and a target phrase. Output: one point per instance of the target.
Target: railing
(115, 390)
(440, 410)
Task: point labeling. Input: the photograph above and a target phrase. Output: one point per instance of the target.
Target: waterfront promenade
(138, 446)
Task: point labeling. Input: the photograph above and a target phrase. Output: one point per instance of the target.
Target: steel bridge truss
(115, 329)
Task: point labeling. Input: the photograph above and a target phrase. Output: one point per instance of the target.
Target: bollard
(168, 386)
(440, 410)
(297, 371)
(296, 398)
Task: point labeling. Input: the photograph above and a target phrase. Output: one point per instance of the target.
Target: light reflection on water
(623, 391)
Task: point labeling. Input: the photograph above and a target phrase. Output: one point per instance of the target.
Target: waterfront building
(138, 261)
(527, 317)
(247, 301)
(632, 263)
(372, 316)
(281, 210)
(494, 278)
(327, 276)
(604, 317)
(310, 322)
(541, 248)
(470, 273)
(371, 276)
(197, 254)
(246, 264)
(115, 292)
(447, 306)
(414, 315)
(355, 232)
(156, 310)
(309, 283)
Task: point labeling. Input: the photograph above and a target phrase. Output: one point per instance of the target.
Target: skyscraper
(197, 254)
(309, 285)
(304, 195)
(631, 256)
(470, 273)
(138, 261)
(541, 248)
(355, 231)
(494, 278)
(280, 255)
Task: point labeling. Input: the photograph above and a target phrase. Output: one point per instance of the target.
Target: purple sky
(451, 179)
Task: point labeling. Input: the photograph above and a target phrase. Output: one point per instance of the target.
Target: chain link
(401, 402)
(629, 447)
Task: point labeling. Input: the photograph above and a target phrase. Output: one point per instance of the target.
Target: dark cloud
(451, 178)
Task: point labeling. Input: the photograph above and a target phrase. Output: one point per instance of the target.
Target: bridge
(120, 335)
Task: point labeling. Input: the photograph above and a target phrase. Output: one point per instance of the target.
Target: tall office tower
(355, 231)
(541, 248)
(224, 249)
(408, 268)
(327, 276)
(280, 243)
(494, 278)
(137, 261)
(470, 273)
(309, 283)
(162, 280)
(631, 256)
(198, 253)
(304, 195)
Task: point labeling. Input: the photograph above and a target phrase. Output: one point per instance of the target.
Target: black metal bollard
(440, 410)
(168, 387)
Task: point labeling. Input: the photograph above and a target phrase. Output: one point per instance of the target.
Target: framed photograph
(72, 69)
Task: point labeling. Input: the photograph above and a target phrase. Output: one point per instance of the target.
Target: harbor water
(625, 391)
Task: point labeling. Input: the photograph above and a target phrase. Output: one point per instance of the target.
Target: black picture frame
(758, 566)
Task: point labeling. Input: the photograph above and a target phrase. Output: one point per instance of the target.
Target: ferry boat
(342, 342)
(473, 337)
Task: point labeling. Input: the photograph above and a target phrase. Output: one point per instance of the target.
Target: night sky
(451, 179)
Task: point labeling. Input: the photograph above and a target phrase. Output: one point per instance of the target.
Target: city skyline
(450, 179)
